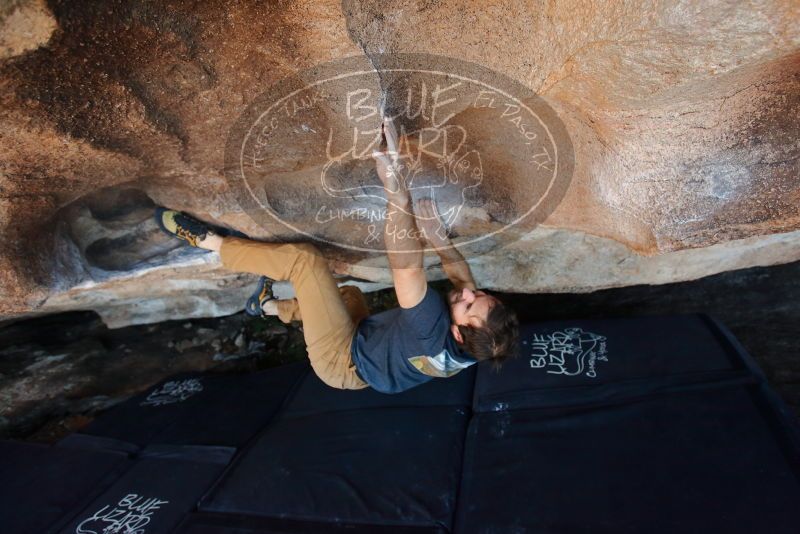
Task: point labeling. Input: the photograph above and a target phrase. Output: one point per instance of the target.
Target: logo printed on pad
(129, 516)
(570, 352)
(172, 392)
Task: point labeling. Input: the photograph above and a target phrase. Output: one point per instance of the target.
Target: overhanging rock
(684, 146)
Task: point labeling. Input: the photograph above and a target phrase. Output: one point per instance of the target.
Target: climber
(347, 346)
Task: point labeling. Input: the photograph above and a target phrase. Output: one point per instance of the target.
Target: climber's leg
(288, 310)
(328, 327)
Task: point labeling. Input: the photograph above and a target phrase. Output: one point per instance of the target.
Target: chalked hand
(429, 221)
(386, 162)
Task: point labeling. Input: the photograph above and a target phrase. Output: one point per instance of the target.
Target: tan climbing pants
(330, 314)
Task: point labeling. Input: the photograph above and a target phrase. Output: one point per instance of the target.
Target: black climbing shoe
(262, 294)
(182, 226)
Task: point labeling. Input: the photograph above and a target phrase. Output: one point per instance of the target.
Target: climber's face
(469, 308)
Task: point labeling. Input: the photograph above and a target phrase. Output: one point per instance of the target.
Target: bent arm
(455, 266)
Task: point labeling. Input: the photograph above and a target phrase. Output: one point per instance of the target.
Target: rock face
(673, 132)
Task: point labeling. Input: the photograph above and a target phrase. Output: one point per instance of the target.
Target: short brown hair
(497, 339)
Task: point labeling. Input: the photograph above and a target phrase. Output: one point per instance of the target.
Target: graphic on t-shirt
(568, 352)
(442, 365)
(172, 392)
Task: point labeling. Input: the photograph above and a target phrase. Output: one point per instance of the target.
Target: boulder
(577, 146)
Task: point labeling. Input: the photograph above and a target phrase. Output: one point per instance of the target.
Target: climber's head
(483, 326)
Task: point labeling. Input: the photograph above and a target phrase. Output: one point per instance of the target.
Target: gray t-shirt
(403, 347)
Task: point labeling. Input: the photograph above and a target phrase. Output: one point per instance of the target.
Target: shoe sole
(159, 216)
(253, 305)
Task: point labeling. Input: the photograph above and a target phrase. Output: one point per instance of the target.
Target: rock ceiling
(670, 132)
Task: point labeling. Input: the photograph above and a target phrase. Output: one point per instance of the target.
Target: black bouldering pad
(215, 410)
(713, 460)
(41, 486)
(314, 397)
(154, 495)
(378, 466)
(209, 523)
(587, 361)
(657, 424)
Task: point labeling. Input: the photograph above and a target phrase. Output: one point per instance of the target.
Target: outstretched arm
(403, 246)
(453, 263)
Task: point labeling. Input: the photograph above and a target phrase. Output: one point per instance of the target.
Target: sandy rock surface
(676, 128)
